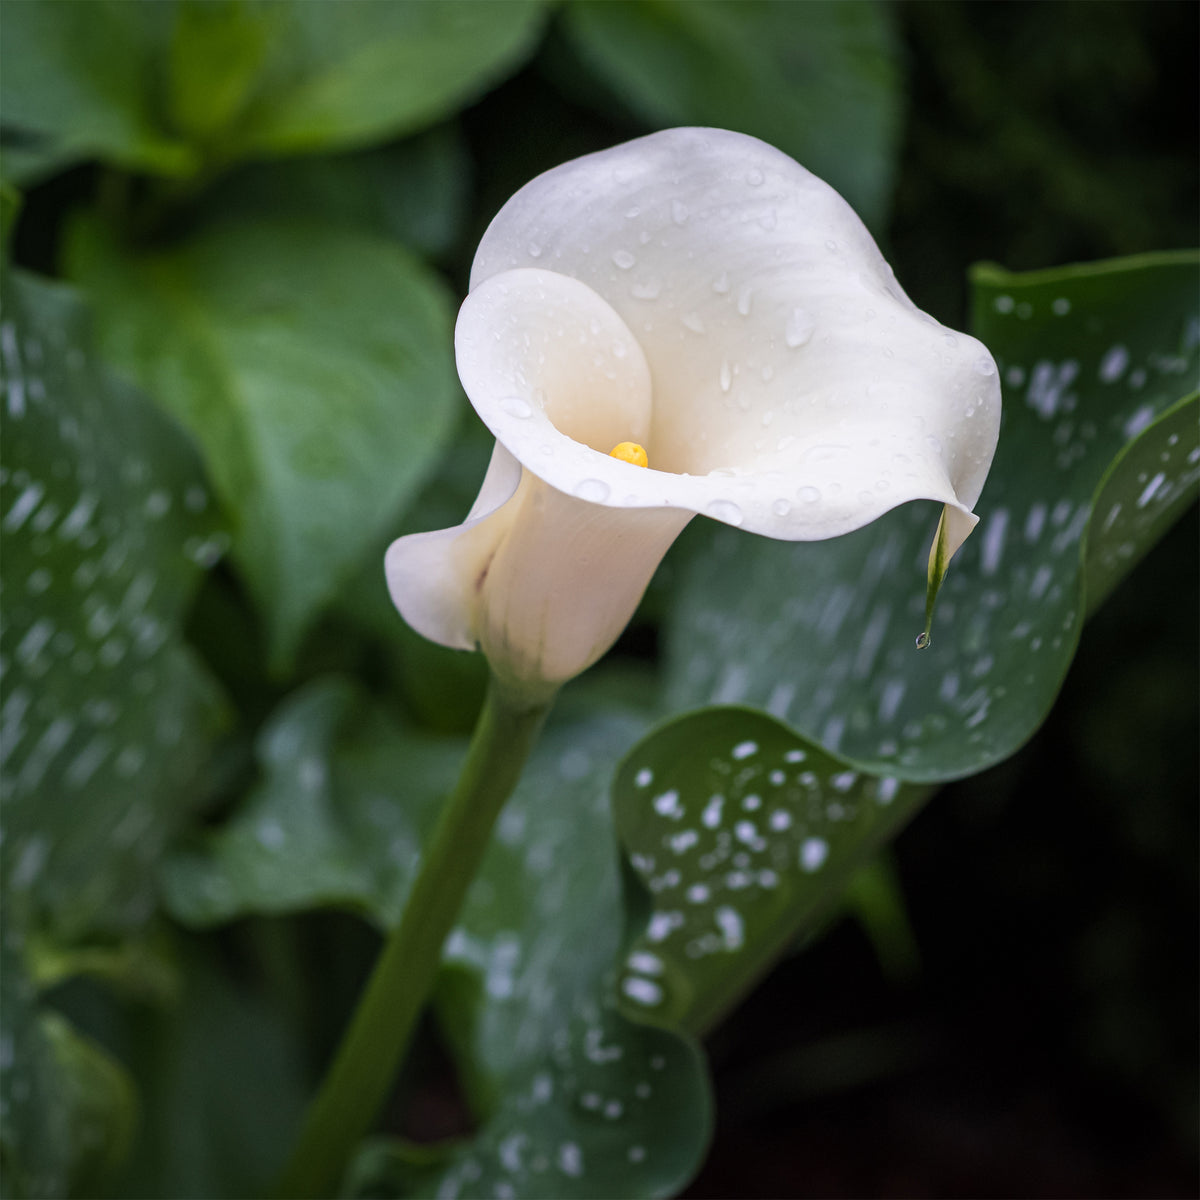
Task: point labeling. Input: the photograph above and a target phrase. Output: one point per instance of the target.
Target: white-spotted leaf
(574, 1099)
(741, 834)
(107, 522)
(338, 819)
(311, 362)
(822, 635)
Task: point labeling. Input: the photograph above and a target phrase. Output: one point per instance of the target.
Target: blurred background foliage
(263, 232)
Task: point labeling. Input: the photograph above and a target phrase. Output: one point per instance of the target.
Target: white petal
(783, 355)
(565, 581)
(434, 578)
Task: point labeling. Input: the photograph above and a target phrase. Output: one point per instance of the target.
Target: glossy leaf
(574, 1099)
(67, 1110)
(312, 364)
(75, 83)
(171, 89)
(415, 191)
(819, 81)
(107, 522)
(821, 635)
(358, 71)
(744, 830)
(223, 1075)
(741, 834)
(345, 801)
(1145, 490)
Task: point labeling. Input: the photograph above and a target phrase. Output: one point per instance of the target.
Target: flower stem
(343, 1111)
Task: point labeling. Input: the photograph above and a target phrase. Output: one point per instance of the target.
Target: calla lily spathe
(701, 294)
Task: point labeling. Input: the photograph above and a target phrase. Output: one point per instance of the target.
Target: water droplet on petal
(923, 641)
(743, 301)
(768, 220)
(679, 212)
(595, 491)
(648, 290)
(726, 376)
(831, 245)
(781, 508)
(984, 365)
(754, 177)
(623, 259)
(619, 349)
(799, 328)
(725, 510)
(535, 251)
(721, 283)
(516, 407)
(693, 322)
(810, 495)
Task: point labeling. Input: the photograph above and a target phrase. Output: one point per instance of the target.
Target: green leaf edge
(990, 274)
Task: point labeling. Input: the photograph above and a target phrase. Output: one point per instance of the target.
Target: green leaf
(821, 634)
(10, 209)
(76, 83)
(742, 834)
(415, 191)
(312, 363)
(743, 828)
(106, 720)
(217, 48)
(1147, 487)
(574, 1099)
(339, 818)
(223, 1080)
(821, 82)
(346, 74)
(68, 1111)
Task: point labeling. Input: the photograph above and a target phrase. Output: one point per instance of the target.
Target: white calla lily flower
(702, 295)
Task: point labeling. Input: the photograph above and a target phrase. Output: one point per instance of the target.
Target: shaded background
(1030, 1027)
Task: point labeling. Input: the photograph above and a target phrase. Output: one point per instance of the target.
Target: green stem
(372, 1049)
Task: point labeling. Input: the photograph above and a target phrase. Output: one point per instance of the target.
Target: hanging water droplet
(516, 407)
(595, 491)
(799, 328)
(725, 510)
(623, 259)
(679, 212)
(923, 641)
(726, 376)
